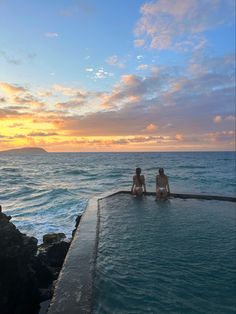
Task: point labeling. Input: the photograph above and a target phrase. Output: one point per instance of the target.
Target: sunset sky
(128, 75)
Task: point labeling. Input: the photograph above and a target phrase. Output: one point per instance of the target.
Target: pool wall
(73, 292)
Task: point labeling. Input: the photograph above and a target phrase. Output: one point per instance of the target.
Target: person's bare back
(139, 186)
(139, 182)
(162, 181)
(162, 185)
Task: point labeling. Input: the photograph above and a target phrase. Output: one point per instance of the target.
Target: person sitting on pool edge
(139, 186)
(162, 185)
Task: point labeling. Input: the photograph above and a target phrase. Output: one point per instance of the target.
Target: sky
(88, 76)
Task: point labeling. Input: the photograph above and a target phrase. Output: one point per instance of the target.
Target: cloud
(42, 134)
(122, 141)
(20, 97)
(16, 60)
(82, 8)
(230, 118)
(131, 80)
(201, 65)
(73, 103)
(101, 74)
(139, 57)
(142, 67)
(128, 90)
(28, 99)
(98, 74)
(217, 119)
(180, 24)
(179, 137)
(151, 127)
(51, 35)
(115, 61)
(16, 125)
(5, 113)
(70, 91)
(222, 136)
(11, 88)
(139, 42)
(44, 93)
(10, 59)
(18, 108)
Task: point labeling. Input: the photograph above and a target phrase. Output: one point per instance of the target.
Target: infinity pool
(165, 257)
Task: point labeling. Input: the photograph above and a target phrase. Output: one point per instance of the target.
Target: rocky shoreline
(27, 271)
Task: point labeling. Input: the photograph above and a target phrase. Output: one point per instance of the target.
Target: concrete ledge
(73, 291)
(204, 197)
(177, 195)
(74, 288)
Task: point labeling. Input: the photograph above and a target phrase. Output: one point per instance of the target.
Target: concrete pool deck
(74, 288)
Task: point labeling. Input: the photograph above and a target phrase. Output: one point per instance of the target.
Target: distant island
(25, 150)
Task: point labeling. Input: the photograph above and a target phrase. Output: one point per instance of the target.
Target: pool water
(165, 257)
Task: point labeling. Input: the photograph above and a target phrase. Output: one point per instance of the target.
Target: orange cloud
(151, 127)
(217, 119)
(130, 80)
(139, 42)
(11, 89)
(179, 137)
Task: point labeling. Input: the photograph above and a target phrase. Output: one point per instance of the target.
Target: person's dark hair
(138, 172)
(161, 170)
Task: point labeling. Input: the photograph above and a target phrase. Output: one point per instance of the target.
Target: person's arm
(167, 185)
(144, 185)
(157, 184)
(132, 189)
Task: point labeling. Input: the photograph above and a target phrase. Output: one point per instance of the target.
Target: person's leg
(139, 191)
(164, 194)
(158, 194)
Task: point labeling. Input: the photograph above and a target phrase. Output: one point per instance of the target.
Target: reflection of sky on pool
(168, 257)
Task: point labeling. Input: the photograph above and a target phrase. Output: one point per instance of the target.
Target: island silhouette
(25, 150)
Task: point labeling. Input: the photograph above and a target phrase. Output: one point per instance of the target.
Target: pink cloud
(164, 23)
(217, 119)
(151, 127)
(139, 42)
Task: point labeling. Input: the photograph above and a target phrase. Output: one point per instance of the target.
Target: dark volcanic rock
(57, 253)
(28, 272)
(50, 238)
(77, 221)
(19, 293)
(53, 255)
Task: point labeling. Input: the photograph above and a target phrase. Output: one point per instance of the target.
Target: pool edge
(73, 290)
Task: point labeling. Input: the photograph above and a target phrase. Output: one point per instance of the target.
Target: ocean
(44, 193)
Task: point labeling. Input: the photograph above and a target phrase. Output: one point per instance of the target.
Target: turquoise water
(44, 193)
(168, 257)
